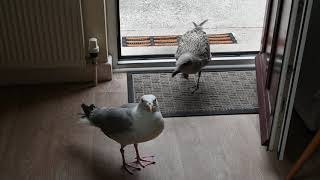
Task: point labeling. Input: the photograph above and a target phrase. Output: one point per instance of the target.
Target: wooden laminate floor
(40, 139)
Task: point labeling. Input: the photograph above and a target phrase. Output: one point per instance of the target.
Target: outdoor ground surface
(243, 18)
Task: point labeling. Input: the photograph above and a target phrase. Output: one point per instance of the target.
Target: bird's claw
(195, 88)
(185, 76)
(139, 161)
(193, 91)
(145, 157)
(127, 166)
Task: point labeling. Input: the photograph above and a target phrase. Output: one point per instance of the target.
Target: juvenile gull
(193, 53)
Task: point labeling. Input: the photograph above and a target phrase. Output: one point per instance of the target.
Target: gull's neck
(141, 109)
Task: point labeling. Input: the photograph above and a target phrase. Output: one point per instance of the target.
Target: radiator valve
(93, 47)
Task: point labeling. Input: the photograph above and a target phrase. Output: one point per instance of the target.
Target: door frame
(294, 64)
(264, 60)
(275, 121)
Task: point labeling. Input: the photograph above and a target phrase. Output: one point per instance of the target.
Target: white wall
(46, 41)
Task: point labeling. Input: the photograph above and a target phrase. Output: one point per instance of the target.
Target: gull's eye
(142, 100)
(154, 101)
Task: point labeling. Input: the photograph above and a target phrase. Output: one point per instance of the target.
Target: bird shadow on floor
(41, 94)
(95, 165)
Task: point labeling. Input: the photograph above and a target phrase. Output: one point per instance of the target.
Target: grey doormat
(232, 92)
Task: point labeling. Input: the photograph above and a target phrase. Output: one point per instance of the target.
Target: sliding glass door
(149, 30)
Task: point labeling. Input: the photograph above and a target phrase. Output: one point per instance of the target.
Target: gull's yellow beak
(150, 108)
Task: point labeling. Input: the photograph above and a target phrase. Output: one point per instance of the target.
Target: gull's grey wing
(129, 105)
(205, 51)
(112, 120)
(181, 64)
(195, 42)
(182, 44)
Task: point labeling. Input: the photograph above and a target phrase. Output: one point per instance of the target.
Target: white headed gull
(131, 123)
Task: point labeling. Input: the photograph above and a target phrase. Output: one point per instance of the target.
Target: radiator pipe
(93, 52)
(95, 71)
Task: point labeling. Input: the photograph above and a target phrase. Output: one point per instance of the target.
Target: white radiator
(41, 33)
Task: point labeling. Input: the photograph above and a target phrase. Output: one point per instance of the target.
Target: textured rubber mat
(231, 92)
(140, 41)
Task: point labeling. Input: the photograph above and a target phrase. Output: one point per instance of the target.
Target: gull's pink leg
(126, 165)
(139, 158)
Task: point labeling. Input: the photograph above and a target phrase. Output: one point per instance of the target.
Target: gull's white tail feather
(84, 120)
(199, 25)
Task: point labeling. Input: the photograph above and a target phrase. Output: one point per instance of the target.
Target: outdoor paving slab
(243, 18)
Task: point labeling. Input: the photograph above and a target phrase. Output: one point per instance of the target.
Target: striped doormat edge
(171, 40)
